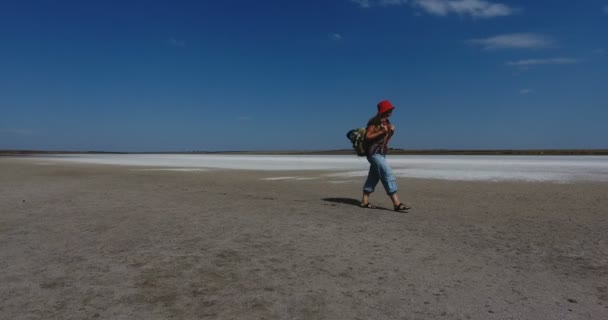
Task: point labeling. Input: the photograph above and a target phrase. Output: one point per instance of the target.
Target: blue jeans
(379, 170)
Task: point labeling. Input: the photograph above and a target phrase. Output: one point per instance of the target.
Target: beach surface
(100, 241)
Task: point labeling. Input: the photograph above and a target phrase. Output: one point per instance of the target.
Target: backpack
(357, 138)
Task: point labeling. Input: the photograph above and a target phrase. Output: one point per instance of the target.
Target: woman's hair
(375, 120)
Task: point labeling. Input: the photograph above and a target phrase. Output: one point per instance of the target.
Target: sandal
(402, 207)
(366, 205)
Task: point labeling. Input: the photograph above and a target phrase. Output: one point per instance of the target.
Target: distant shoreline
(537, 152)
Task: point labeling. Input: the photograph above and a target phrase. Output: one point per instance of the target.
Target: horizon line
(394, 151)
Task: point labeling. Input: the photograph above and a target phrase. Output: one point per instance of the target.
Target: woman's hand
(373, 132)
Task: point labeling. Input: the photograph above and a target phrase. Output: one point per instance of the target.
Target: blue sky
(287, 75)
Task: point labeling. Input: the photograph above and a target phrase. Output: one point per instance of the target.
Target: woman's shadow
(350, 201)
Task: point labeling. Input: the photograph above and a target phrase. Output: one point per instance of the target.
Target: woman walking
(379, 132)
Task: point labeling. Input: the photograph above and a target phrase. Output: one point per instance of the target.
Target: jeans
(379, 170)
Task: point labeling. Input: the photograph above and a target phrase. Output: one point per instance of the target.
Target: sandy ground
(103, 242)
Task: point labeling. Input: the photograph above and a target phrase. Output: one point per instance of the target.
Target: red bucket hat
(384, 106)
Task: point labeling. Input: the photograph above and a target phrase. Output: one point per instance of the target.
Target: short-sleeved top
(380, 144)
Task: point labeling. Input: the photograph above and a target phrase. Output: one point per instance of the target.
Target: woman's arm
(371, 135)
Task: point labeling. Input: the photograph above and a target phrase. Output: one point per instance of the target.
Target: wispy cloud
(605, 9)
(244, 118)
(176, 43)
(515, 41)
(473, 8)
(525, 91)
(524, 64)
(380, 3)
(362, 3)
(335, 36)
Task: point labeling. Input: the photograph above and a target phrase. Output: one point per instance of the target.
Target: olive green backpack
(357, 138)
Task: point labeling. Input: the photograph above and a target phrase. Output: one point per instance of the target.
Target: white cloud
(515, 41)
(335, 36)
(362, 3)
(379, 3)
(534, 62)
(525, 91)
(473, 8)
(605, 9)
